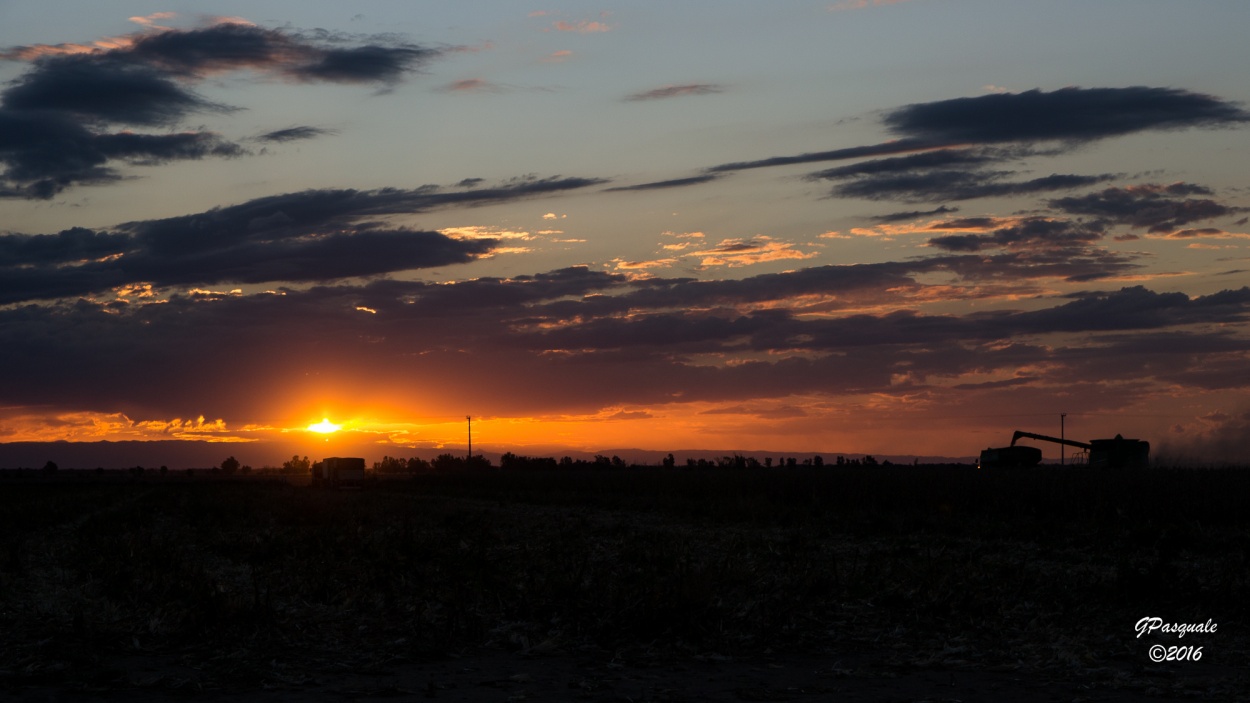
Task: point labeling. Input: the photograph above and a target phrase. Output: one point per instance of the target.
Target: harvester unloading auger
(1114, 453)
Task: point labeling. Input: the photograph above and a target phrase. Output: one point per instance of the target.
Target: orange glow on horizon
(324, 427)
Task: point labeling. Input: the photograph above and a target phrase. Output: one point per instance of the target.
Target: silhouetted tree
(50, 466)
(670, 461)
(512, 461)
(390, 465)
(297, 465)
(448, 462)
(229, 466)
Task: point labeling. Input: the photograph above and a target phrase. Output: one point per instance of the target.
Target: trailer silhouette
(338, 471)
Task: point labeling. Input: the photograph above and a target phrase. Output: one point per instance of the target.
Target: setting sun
(324, 427)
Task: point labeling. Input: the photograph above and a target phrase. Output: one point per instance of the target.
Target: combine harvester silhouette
(1116, 453)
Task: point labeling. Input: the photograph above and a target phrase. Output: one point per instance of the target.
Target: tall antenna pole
(1061, 446)
(469, 418)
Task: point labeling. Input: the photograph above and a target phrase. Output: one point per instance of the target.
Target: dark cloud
(292, 134)
(1068, 114)
(221, 47)
(673, 183)
(1027, 233)
(315, 211)
(675, 91)
(66, 247)
(938, 158)
(581, 339)
(903, 146)
(228, 46)
(944, 174)
(1197, 233)
(939, 185)
(951, 145)
(102, 90)
(1066, 264)
(913, 214)
(332, 256)
(362, 64)
(1065, 115)
(1156, 208)
(55, 119)
(297, 237)
(46, 152)
(1136, 308)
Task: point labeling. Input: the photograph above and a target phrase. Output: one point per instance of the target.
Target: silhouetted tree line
(510, 461)
(452, 462)
(395, 465)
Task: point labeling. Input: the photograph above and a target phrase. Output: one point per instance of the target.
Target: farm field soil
(633, 584)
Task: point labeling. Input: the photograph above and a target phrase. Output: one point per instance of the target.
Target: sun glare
(324, 427)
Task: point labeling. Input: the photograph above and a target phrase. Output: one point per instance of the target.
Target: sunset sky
(900, 227)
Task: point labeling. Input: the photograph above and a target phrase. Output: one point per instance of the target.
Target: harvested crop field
(889, 583)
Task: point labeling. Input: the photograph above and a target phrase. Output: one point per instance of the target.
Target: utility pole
(1061, 446)
(469, 460)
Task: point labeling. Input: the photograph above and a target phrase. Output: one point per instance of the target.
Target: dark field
(882, 583)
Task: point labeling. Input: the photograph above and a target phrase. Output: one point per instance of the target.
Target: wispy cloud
(677, 91)
(672, 183)
(735, 253)
(292, 134)
(623, 265)
(150, 21)
(472, 85)
(582, 26)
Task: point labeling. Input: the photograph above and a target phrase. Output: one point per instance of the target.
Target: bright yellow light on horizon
(324, 427)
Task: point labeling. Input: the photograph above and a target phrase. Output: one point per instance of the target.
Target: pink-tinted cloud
(1204, 233)
(582, 26)
(735, 253)
(150, 21)
(472, 85)
(622, 265)
(676, 91)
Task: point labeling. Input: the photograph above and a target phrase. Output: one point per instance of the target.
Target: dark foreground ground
(861, 584)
